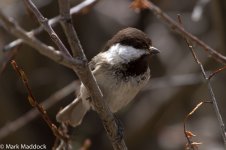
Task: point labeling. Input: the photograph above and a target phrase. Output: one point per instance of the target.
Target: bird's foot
(120, 126)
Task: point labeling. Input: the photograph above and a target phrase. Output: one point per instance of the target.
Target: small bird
(121, 70)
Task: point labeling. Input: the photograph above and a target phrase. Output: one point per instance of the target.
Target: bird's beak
(153, 50)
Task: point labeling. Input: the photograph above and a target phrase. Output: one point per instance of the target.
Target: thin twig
(15, 125)
(217, 111)
(215, 105)
(176, 27)
(42, 48)
(216, 72)
(189, 134)
(33, 102)
(7, 57)
(11, 26)
(23, 36)
(87, 4)
(45, 23)
(66, 23)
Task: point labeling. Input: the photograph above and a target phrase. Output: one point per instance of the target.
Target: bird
(121, 70)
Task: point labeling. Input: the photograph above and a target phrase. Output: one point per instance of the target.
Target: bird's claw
(120, 129)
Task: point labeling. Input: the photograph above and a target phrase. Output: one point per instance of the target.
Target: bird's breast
(118, 92)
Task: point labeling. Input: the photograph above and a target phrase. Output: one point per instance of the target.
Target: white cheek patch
(121, 53)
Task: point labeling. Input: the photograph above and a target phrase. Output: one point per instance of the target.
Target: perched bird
(121, 70)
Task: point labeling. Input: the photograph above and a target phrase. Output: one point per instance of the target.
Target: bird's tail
(73, 113)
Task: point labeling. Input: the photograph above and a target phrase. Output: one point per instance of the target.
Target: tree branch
(34, 103)
(53, 22)
(188, 134)
(66, 23)
(100, 105)
(207, 79)
(42, 48)
(84, 73)
(15, 125)
(175, 26)
(11, 47)
(45, 23)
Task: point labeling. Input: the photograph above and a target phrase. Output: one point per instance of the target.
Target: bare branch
(214, 101)
(48, 51)
(15, 125)
(176, 27)
(11, 47)
(7, 57)
(188, 134)
(66, 23)
(216, 72)
(33, 102)
(90, 83)
(45, 23)
(100, 105)
(53, 22)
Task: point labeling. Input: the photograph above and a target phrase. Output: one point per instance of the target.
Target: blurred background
(154, 120)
